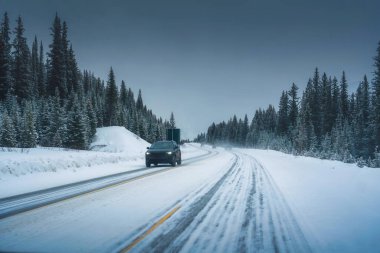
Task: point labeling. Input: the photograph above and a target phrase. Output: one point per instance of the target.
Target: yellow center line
(150, 230)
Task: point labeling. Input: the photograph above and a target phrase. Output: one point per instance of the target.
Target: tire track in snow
(286, 231)
(244, 211)
(163, 242)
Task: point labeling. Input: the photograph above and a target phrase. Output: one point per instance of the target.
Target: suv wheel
(173, 163)
(147, 164)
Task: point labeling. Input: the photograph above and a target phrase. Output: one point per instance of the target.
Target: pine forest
(324, 121)
(48, 101)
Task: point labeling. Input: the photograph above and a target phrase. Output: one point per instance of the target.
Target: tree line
(50, 102)
(325, 121)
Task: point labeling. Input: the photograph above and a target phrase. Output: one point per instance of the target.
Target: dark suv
(163, 152)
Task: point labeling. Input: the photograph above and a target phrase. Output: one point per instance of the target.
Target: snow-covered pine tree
(29, 132)
(43, 124)
(142, 125)
(58, 119)
(157, 134)
(172, 121)
(244, 131)
(92, 121)
(73, 73)
(77, 136)
(8, 132)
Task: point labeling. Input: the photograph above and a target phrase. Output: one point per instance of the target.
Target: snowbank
(23, 170)
(118, 140)
(111, 145)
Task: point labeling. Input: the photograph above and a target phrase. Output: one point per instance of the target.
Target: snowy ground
(242, 200)
(115, 150)
(336, 204)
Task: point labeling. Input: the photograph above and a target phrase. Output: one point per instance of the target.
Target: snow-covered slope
(118, 139)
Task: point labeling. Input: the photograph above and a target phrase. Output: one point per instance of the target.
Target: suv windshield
(162, 145)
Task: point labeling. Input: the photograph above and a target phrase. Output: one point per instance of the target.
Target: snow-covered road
(25, 202)
(225, 203)
(243, 211)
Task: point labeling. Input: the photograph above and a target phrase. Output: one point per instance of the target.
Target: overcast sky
(206, 60)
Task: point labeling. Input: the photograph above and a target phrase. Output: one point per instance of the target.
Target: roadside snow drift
(115, 150)
(118, 140)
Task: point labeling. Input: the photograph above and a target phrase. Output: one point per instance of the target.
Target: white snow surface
(336, 204)
(114, 150)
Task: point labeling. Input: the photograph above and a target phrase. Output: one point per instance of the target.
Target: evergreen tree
(139, 102)
(172, 121)
(376, 100)
(29, 133)
(34, 69)
(77, 136)
(123, 95)
(57, 117)
(44, 122)
(326, 104)
(56, 70)
(315, 102)
(5, 59)
(293, 105)
(344, 105)
(111, 101)
(65, 55)
(41, 86)
(14, 112)
(92, 121)
(363, 143)
(8, 132)
(244, 131)
(335, 103)
(21, 56)
(72, 73)
(283, 121)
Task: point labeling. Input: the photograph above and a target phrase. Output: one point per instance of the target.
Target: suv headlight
(148, 153)
(169, 153)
